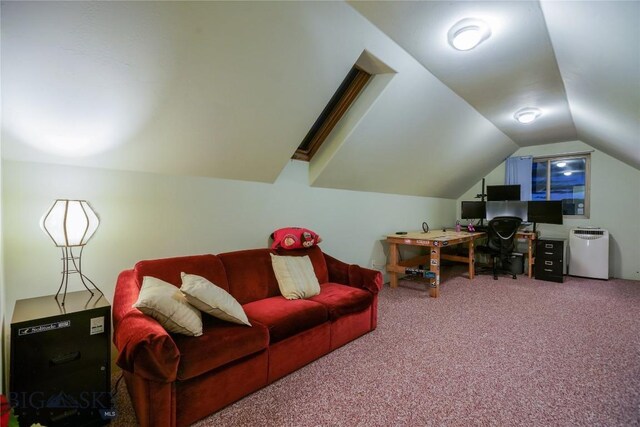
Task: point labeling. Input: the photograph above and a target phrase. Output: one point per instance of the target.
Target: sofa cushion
(207, 297)
(165, 303)
(296, 278)
(340, 299)
(294, 238)
(284, 317)
(317, 259)
(220, 343)
(169, 269)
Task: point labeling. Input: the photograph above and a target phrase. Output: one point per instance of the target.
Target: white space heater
(589, 252)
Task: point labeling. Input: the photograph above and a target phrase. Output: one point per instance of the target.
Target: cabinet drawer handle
(65, 358)
(547, 269)
(548, 263)
(548, 245)
(548, 253)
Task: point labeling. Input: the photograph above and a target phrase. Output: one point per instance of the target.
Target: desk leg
(434, 265)
(530, 252)
(393, 262)
(472, 260)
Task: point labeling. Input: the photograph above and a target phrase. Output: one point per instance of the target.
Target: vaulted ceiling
(229, 89)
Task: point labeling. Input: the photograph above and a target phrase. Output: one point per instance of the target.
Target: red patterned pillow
(294, 238)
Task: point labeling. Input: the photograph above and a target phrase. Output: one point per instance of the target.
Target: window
(563, 178)
(339, 103)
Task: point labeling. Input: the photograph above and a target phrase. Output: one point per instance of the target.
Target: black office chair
(500, 243)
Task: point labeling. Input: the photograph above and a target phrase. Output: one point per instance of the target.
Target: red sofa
(174, 380)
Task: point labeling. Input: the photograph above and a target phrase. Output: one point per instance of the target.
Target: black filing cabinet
(549, 264)
(60, 360)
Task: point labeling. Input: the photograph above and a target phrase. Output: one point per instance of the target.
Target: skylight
(339, 103)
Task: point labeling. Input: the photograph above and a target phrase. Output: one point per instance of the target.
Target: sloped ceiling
(514, 68)
(229, 89)
(220, 89)
(597, 45)
(578, 61)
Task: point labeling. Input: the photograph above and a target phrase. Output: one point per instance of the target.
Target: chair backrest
(502, 233)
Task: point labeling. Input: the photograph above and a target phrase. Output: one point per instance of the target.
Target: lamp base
(71, 265)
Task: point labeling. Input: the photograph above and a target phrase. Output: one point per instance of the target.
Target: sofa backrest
(247, 274)
(168, 269)
(251, 276)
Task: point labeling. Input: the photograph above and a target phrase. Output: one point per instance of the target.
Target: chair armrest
(145, 348)
(353, 275)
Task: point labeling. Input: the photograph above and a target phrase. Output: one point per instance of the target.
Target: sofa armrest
(145, 348)
(353, 275)
(365, 278)
(338, 270)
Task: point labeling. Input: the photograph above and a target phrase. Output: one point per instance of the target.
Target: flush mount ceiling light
(561, 164)
(567, 173)
(468, 33)
(527, 115)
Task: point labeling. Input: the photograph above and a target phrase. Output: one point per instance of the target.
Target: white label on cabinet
(44, 328)
(97, 325)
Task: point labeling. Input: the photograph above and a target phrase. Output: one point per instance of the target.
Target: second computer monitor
(507, 208)
(473, 210)
(498, 193)
(545, 211)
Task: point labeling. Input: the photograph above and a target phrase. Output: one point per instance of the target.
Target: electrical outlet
(377, 266)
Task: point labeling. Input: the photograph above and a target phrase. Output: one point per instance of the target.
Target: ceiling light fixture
(527, 115)
(468, 33)
(567, 173)
(561, 164)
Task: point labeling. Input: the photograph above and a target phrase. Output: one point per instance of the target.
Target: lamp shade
(70, 222)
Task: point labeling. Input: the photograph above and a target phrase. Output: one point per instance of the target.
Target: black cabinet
(549, 264)
(60, 360)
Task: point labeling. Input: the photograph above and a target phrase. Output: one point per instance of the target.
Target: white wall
(3, 298)
(615, 204)
(145, 216)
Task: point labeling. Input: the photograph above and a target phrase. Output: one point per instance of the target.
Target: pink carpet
(505, 352)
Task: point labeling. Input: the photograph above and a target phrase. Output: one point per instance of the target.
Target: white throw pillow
(295, 275)
(212, 299)
(165, 303)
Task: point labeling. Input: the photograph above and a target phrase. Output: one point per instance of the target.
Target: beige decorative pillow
(165, 303)
(212, 299)
(295, 275)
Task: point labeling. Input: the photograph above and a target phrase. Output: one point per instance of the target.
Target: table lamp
(70, 224)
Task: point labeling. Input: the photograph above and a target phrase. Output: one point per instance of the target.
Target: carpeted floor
(506, 352)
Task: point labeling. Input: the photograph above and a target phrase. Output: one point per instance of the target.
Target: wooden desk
(435, 240)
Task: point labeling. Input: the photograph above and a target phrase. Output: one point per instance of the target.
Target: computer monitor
(498, 193)
(507, 208)
(545, 212)
(473, 210)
